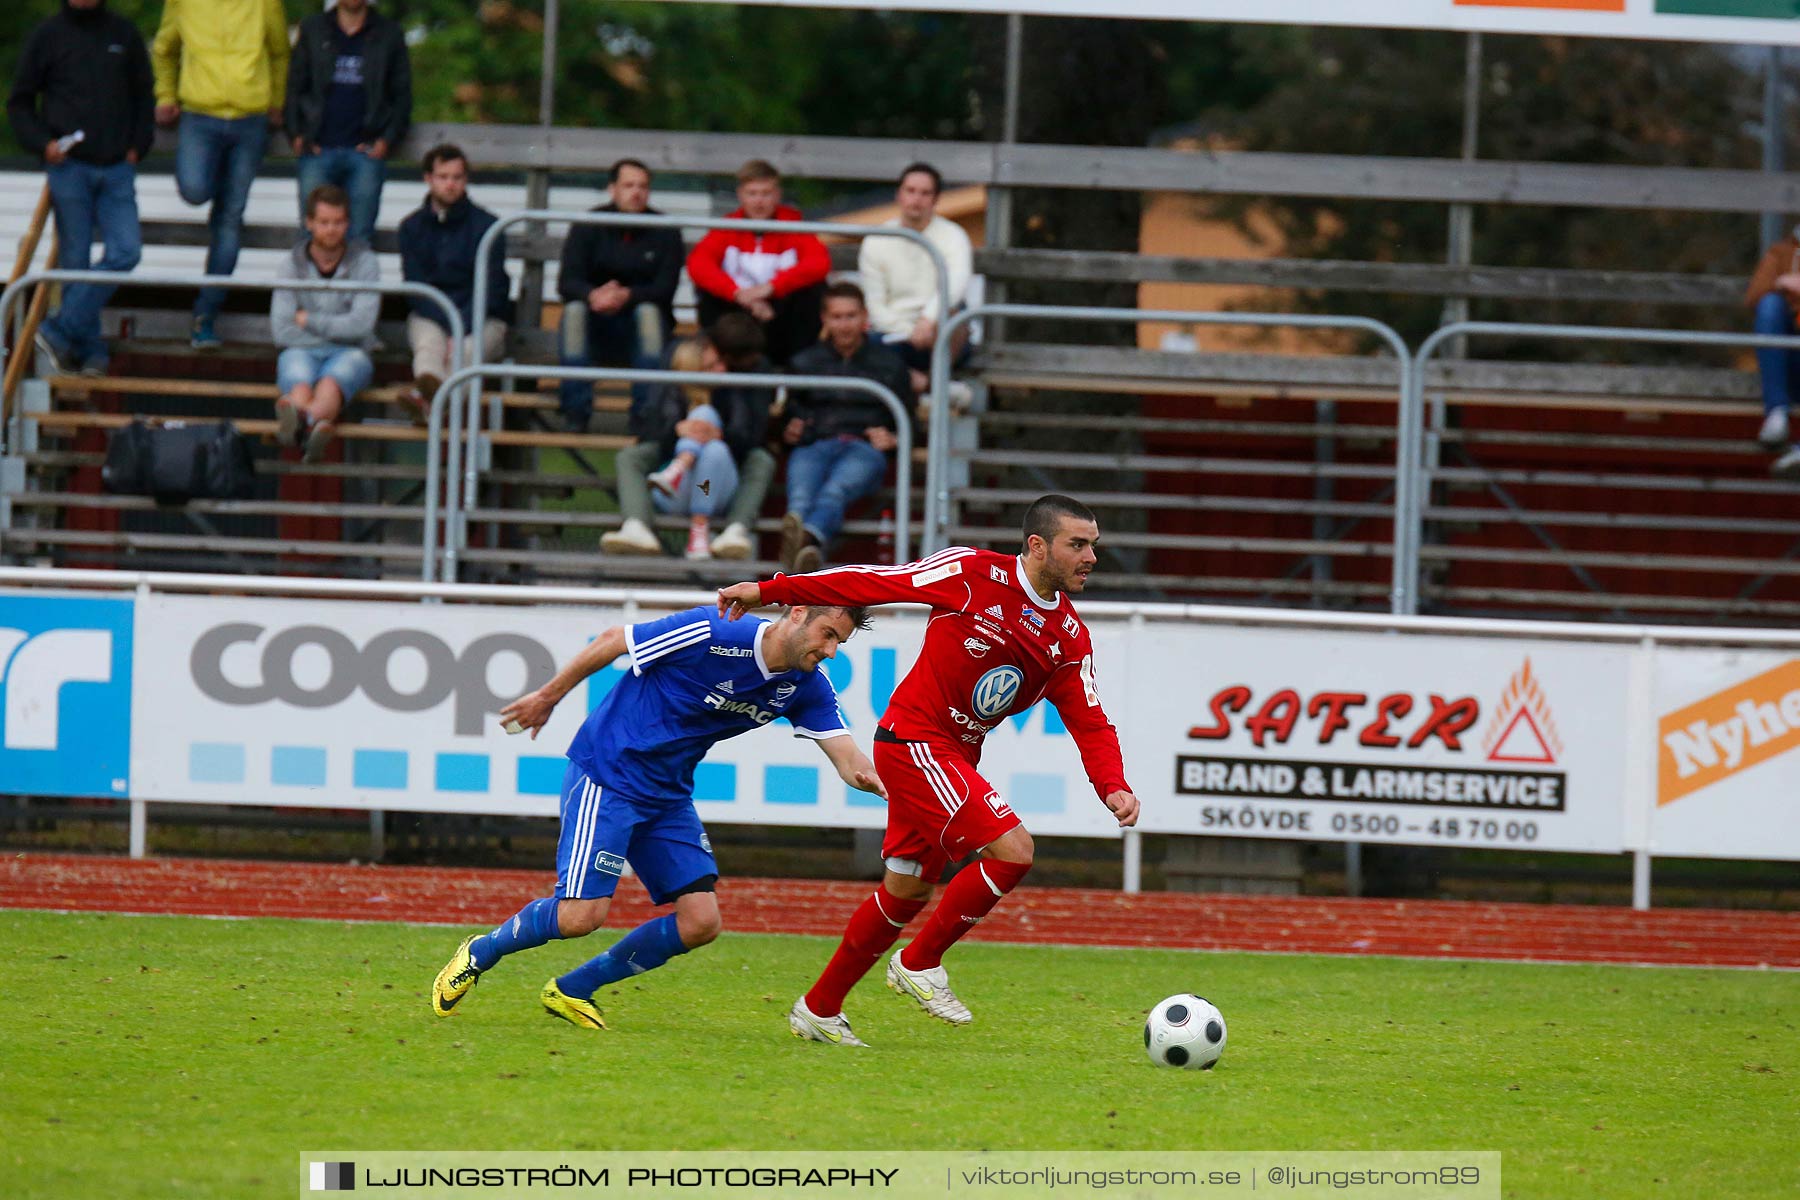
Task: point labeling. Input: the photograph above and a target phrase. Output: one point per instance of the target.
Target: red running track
(1065, 916)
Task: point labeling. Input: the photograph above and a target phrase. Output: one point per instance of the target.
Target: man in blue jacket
(438, 241)
(82, 101)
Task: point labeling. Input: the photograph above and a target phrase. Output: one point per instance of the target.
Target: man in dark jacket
(349, 103)
(618, 290)
(734, 346)
(841, 440)
(82, 99)
(438, 241)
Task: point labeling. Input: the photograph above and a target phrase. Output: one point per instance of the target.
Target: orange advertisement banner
(1617, 6)
(1728, 732)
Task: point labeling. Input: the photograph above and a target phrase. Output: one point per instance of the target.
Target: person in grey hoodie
(324, 337)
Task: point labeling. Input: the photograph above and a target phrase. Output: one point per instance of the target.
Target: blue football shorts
(602, 831)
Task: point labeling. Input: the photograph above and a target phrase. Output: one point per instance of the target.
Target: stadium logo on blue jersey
(65, 695)
(995, 691)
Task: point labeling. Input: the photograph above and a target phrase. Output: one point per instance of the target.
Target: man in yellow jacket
(221, 71)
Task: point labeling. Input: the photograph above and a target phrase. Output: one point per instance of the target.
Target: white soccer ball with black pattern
(1185, 1031)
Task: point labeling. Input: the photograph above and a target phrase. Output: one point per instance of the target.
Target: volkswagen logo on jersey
(995, 691)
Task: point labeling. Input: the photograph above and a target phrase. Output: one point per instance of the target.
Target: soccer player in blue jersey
(696, 679)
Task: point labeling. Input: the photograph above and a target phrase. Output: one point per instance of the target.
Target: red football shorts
(940, 809)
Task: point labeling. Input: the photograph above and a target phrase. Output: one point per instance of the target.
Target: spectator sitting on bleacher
(349, 103)
(775, 277)
(325, 336)
(1774, 296)
(618, 289)
(841, 440)
(438, 241)
(221, 70)
(741, 415)
(900, 280)
(85, 73)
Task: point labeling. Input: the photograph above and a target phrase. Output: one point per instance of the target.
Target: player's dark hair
(858, 614)
(843, 289)
(1046, 515)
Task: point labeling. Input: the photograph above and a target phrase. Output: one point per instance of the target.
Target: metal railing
(937, 500)
(457, 536)
(671, 221)
(1418, 467)
(18, 287)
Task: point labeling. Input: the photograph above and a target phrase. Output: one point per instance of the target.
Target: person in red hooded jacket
(778, 278)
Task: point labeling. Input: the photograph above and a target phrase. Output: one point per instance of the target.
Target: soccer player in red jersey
(1003, 635)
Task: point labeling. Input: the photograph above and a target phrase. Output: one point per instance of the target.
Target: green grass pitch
(164, 1056)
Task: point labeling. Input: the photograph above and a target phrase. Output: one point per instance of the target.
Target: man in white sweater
(900, 280)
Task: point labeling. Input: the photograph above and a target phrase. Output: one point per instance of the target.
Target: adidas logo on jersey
(724, 685)
(996, 612)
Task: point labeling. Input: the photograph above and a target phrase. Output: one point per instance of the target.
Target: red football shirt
(993, 647)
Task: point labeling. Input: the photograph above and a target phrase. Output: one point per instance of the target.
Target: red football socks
(967, 898)
(873, 928)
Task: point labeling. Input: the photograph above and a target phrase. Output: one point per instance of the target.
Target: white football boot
(835, 1030)
(930, 990)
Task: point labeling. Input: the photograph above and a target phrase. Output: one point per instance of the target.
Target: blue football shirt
(696, 679)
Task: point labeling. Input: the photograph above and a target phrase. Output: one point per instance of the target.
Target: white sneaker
(668, 480)
(835, 1030)
(1774, 434)
(1787, 466)
(633, 537)
(930, 990)
(733, 543)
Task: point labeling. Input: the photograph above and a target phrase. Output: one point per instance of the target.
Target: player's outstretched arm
(533, 709)
(853, 766)
(738, 599)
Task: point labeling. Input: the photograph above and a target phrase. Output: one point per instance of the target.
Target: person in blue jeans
(841, 440)
(81, 98)
(349, 103)
(1774, 297)
(618, 291)
(220, 68)
(325, 337)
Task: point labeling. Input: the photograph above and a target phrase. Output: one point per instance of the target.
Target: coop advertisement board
(393, 706)
(1378, 737)
(1727, 754)
(1757, 21)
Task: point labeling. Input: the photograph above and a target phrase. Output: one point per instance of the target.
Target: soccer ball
(1185, 1031)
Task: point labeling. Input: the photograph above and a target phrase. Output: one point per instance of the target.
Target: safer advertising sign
(394, 706)
(1727, 754)
(1338, 736)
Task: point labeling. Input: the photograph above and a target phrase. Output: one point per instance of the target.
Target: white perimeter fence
(1234, 722)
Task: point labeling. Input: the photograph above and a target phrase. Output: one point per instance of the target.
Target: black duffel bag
(177, 462)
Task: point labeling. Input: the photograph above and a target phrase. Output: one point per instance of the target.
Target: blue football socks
(533, 925)
(645, 948)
